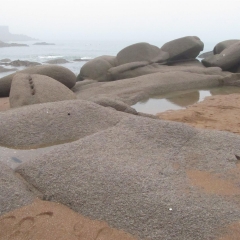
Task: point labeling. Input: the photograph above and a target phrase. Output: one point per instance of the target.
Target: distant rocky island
(3, 44)
(6, 36)
(43, 43)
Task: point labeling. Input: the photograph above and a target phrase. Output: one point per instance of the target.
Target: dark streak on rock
(237, 157)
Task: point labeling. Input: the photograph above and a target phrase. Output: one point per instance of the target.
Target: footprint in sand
(12, 228)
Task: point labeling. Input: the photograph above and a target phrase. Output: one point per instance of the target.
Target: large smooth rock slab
(54, 123)
(223, 45)
(141, 52)
(132, 90)
(122, 72)
(97, 68)
(139, 176)
(227, 59)
(27, 89)
(59, 73)
(14, 193)
(183, 48)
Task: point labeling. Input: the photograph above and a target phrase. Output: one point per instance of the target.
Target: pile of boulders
(226, 56)
(152, 178)
(143, 58)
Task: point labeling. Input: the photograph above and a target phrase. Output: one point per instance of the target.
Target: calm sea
(69, 50)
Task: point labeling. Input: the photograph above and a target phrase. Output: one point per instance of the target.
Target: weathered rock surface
(146, 177)
(142, 58)
(27, 89)
(97, 68)
(141, 52)
(20, 63)
(206, 54)
(186, 63)
(227, 59)
(132, 90)
(114, 103)
(223, 45)
(59, 73)
(141, 68)
(54, 123)
(57, 61)
(14, 192)
(183, 48)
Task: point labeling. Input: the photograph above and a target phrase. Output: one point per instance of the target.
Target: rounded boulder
(226, 60)
(223, 45)
(183, 48)
(141, 52)
(59, 73)
(97, 68)
(27, 89)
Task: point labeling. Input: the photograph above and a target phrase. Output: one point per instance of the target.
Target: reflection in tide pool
(180, 99)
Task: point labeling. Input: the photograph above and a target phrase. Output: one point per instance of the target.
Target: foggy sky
(123, 20)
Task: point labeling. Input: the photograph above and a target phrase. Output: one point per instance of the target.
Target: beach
(78, 161)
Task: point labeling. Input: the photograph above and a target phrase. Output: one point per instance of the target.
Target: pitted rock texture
(14, 192)
(27, 89)
(59, 73)
(54, 123)
(139, 176)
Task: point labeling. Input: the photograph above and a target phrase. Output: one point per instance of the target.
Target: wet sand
(51, 221)
(220, 112)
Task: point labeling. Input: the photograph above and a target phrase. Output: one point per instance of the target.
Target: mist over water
(70, 50)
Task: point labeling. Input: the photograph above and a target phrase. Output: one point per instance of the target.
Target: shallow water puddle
(180, 99)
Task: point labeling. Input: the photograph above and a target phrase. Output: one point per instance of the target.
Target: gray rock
(82, 59)
(227, 59)
(114, 103)
(132, 90)
(57, 61)
(20, 63)
(183, 48)
(186, 63)
(3, 69)
(5, 60)
(14, 193)
(54, 123)
(27, 89)
(59, 73)
(131, 70)
(43, 43)
(96, 68)
(223, 45)
(3, 44)
(206, 54)
(141, 52)
(134, 175)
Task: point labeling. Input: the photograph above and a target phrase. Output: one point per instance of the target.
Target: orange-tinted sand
(219, 112)
(44, 220)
